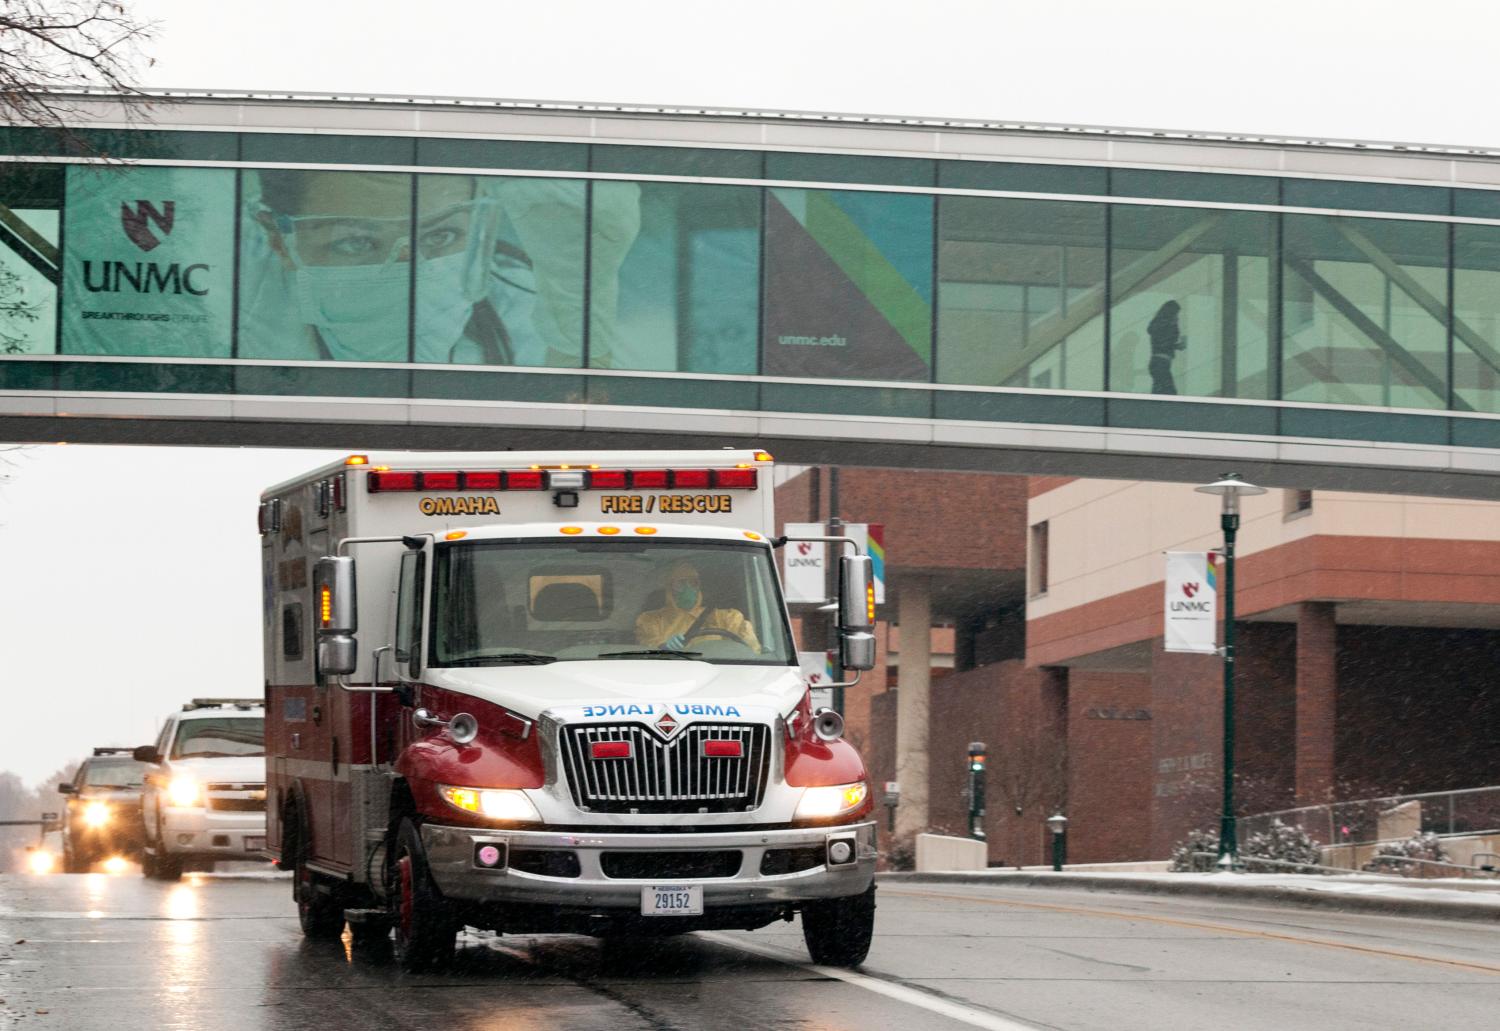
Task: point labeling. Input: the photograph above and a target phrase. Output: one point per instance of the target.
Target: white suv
(205, 795)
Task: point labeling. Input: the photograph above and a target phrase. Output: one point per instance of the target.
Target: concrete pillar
(1316, 711)
(914, 691)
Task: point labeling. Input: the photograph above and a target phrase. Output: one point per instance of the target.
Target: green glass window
(1476, 327)
(31, 200)
(1362, 311)
(325, 269)
(458, 153)
(848, 168)
(1476, 203)
(1203, 186)
(675, 277)
(328, 149)
(120, 143)
(848, 285)
(1328, 193)
(1021, 293)
(704, 162)
(1022, 178)
(1192, 305)
(499, 276)
(148, 264)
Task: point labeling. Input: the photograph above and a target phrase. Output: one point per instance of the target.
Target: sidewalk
(1447, 899)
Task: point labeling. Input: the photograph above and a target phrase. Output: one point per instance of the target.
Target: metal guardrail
(1207, 862)
(1436, 864)
(1446, 813)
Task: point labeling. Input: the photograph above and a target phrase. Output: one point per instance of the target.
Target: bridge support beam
(913, 698)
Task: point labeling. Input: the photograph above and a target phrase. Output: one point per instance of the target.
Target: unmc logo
(136, 222)
(804, 548)
(1190, 589)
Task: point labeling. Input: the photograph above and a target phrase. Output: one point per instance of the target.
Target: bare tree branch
(51, 48)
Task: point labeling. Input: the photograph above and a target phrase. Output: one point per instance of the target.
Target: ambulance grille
(671, 776)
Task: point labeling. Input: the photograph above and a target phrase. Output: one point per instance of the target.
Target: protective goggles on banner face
(315, 241)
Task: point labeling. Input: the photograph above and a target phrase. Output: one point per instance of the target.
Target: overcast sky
(128, 580)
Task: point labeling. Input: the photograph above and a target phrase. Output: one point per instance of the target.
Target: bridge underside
(1052, 450)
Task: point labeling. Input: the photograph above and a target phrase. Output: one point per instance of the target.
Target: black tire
(167, 867)
(71, 862)
(838, 932)
(426, 930)
(148, 864)
(319, 912)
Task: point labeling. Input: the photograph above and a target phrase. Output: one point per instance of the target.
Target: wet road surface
(223, 952)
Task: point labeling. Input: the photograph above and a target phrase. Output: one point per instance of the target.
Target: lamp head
(1230, 487)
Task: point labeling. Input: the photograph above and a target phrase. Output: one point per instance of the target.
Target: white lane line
(891, 990)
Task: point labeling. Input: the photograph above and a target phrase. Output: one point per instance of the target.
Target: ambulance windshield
(502, 602)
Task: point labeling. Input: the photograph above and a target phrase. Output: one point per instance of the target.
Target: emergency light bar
(386, 481)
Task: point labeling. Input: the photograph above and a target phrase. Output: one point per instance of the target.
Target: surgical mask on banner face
(360, 310)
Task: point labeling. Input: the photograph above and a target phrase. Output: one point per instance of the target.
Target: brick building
(1027, 614)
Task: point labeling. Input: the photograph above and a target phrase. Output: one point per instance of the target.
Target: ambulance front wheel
(426, 930)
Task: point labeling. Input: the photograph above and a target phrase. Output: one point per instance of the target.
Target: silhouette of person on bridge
(1166, 340)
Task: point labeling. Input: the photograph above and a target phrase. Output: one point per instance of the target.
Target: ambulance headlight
(95, 815)
(828, 802)
(184, 791)
(493, 803)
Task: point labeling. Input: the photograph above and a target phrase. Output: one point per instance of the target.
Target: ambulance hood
(567, 687)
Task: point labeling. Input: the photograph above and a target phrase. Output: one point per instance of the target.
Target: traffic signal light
(976, 756)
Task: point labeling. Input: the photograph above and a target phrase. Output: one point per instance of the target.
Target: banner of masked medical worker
(149, 261)
(1190, 617)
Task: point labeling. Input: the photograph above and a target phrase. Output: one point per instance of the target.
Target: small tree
(14, 308)
(1284, 844)
(1184, 859)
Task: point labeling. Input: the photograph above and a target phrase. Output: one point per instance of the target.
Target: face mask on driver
(685, 596)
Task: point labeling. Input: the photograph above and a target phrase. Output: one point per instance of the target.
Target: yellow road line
(1196, 925)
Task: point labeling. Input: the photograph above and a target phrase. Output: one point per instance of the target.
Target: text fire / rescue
(643, 504)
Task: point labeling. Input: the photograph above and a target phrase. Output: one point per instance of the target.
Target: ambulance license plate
(672, 900)
(256, 844)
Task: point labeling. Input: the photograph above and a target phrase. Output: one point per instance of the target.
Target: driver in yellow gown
(669, 626)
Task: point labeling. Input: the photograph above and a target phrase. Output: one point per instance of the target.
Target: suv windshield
(220, 736)
(518, 602)
(118, 773)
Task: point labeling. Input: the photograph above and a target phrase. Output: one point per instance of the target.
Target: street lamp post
(1230, 488)
(1057, 823)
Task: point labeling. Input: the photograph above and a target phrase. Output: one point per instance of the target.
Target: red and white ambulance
(561, 695)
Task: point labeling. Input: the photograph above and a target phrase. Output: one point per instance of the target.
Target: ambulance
(537, 693)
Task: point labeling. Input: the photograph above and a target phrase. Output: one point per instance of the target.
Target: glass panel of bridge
(1364, 311)
(1192, 301)
(674, 277)
(324, 265)
(31, 200)
(1021, 293)
(848, 285)
(149, 263)
(499, 277)
(1476, 327)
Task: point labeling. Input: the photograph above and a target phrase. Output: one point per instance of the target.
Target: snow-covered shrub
(1284, 844)
(1426, 845)
(1183, 860)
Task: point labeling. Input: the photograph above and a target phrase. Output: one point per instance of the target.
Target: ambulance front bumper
(607, 870)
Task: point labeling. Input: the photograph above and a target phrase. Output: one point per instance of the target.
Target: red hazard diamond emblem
(666, 723)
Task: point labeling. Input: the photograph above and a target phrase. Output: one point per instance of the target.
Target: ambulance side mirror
(856, 612)
(337, 615)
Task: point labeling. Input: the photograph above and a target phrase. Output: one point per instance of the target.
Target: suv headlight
(828, 802)
(494, 803)
(95, 814)
(183, 791)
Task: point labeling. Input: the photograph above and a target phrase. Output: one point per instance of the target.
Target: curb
(1285, 895)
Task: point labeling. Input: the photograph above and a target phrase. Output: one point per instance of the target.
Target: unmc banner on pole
(1190, 619)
